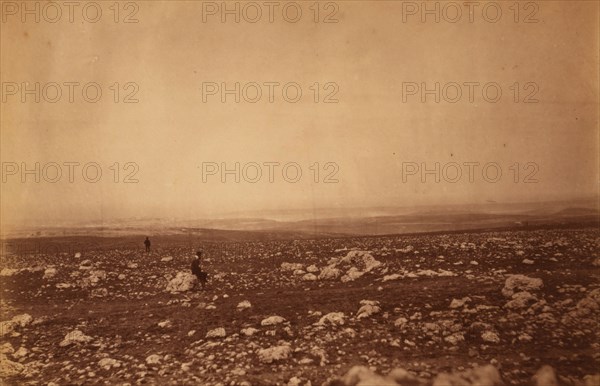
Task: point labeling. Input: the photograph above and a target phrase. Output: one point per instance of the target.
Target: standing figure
(196, 270)
(147, 244)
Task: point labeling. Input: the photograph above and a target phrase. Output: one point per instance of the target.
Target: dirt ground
(117, 297)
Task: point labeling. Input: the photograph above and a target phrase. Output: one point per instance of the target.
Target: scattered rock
(521, 300)
(276, 353)
(352, 274)
(516, 283)
(9, 368)
(272, 320)
(486, 375)
(394, 276)
(244, 305)
(8, 272)
(490, 337)
(216, 333)
(75, 337)
(109, 363)
(49, 273)
(291, 267)
(22, 320)
(309, 277)
(545, 376)
(330, 273)
(183, 281)
(400, 322)
(457, 303)
(20, 353)
(153, 359)
(332, 318)
(368, 308)
(249, 331)
(7, 348)
(99, 292)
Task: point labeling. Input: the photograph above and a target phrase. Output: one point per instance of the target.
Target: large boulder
(272, 321)
(368, 308)
(8, 272)
(216, 333)
(49, 273)
(545, 376)
(9, 368)
(521, 299)
(332, 318)
(8, 326)
(330, 273)
(75, 337)
(363, 260)
(291, 267)
(352, 274)
(23, 320)
(481, 376)
(183, 281)
(355, 264)
(586, 311)
(518, 283)
(273, 354)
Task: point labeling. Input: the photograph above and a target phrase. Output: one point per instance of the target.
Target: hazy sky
(369, 54)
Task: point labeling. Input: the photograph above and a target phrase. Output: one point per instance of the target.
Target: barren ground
(123, 320)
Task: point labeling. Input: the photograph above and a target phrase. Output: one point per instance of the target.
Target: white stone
(272, 320)
(216, 333)
(244, 305)
(291, 266)
(9, 368)
(183, 281)
(74, 337)
(490, 337)
(391, 277)
(153, 359)
(457, 303)
(108, 363)
(545, 376)
(368, 308)
(49, 273)
(516, 283)
(333, 319)
(249, 331)
(276, 353)
(329, 273)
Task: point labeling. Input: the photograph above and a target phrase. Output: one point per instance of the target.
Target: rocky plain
(514, 307)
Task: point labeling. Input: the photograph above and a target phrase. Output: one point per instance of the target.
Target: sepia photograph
(300, 193)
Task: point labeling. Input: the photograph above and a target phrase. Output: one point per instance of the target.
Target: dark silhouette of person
(196, 270)
(147, 244)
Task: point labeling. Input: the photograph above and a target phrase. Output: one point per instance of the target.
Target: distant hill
(337, 222)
